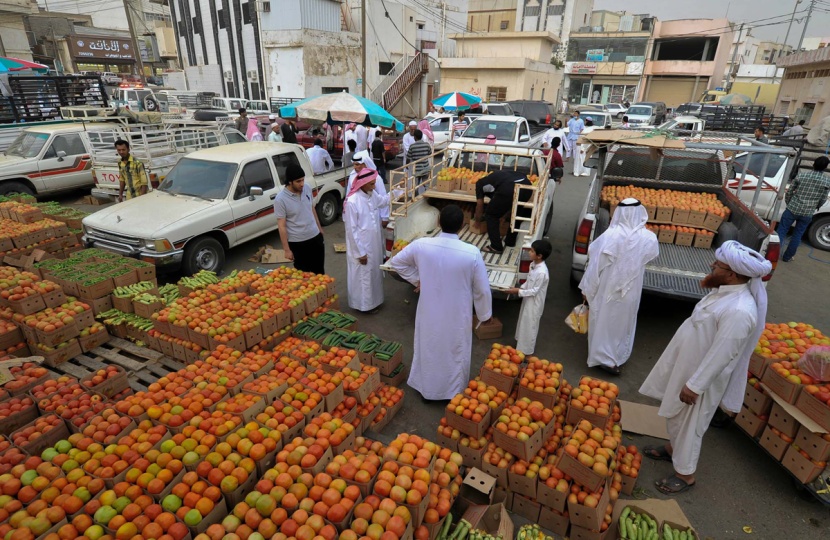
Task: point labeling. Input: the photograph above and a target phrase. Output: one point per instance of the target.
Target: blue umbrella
(456, 101)
(339, 108)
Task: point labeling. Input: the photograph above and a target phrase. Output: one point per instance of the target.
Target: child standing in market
(533, 293)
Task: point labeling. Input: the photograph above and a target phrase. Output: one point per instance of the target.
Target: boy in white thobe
(705, 363)
(452, 278)
(364, 243)
(533, 293)
(581, 150)
(613, 284)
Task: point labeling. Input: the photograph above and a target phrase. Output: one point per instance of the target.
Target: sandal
(612, 370)
(658, 453)
(489, 249)
(673, 485)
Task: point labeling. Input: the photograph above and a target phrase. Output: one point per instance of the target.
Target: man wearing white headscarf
(364, 242)
(705, 363)
(362, 161)
(613, 284)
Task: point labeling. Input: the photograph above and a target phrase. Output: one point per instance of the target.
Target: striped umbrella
(341, 108)
(16, 64)
(456, 101)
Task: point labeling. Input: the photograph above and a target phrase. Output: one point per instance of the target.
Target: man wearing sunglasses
(705, 364)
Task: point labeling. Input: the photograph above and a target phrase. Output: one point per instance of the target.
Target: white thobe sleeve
(404, 264)
(533, 285)
(380, 189)
(357, 226)
(728, 344)
(482, 298)
(328, 161)
(597, 261)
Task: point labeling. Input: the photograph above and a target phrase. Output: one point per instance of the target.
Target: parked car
(600, 119)
(647, 113)
(513, 130)
(48, 159)
(440, 124)
(210, 202)
(111, 78)
(618, 110)
(539, 113)
(503, 109)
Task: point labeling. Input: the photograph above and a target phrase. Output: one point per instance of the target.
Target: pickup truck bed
(679, 269)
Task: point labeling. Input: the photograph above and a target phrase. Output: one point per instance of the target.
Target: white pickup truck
(211, 201)
(49, 158)
(415, 208)
(514, 130)
(700, 167)
(158, 146)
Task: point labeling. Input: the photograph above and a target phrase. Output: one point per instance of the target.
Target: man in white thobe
(705, 363)
(371, 133)
(361, 136)
(452, 278)
(613, 284)
(349, 135)
(575, 128)
(319, 157)
(364, 243)
(557, 131)
(409, 138)
(362, 161)
(581, 150)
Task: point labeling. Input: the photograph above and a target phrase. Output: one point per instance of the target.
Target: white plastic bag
(815, 362)
(577, 319)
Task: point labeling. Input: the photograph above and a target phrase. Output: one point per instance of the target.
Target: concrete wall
(811, 90)
(15, 41)
(518, 81)
(532, 45)
(487, 15)
(761, 93)
(699, 28)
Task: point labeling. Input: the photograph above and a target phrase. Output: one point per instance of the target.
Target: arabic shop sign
(101, 47)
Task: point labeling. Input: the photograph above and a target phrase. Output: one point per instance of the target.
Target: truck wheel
(12, 188)
(203, 254)
(819, 233)
(328, 209)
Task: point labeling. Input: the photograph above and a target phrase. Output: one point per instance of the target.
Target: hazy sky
(772, 11)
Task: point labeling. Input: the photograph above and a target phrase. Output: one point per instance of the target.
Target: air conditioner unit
(252, 75)
(263, 6)
(228, 76)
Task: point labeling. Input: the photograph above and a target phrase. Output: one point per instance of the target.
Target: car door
(253, 216)
(440, 129)
(65, 164)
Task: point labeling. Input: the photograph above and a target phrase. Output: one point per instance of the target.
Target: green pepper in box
(95, 287)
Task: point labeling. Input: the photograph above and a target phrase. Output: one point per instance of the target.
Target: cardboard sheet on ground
(662, 510)
(269, 255)
(636, 138)
(643, 419)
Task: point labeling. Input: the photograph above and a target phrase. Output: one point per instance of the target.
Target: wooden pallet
(143, 366)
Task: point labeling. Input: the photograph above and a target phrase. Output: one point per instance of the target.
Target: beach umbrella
(456, 101)
(16, 64)
(341, 108)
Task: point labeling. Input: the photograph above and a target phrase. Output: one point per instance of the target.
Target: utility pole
(806, 22)
(363, 48)
(732, 63)
(792, 17)
(136, 48)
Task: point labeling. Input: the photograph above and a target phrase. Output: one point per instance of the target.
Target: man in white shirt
(409, 138)
(557, 131)
(705, 363)
(275, 134)
(319, 157)
(372, 132)
(796, 130)
(349, 135)
(360, 133)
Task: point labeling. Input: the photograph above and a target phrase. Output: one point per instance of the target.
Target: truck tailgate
(502, 268)
(677, 271)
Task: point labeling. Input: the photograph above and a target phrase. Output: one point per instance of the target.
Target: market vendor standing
(131, 174)
(452, 279)
(299, 228)
(705, 363)
(499, 187)
(364, 242)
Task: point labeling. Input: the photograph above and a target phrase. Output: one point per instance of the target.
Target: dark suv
(539, 113)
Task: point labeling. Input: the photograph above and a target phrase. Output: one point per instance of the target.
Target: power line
(386, 14)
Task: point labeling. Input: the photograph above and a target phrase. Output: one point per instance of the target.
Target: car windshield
(504, 131)
(641, 111)
(27, 144)
(756, 164)
(503, 109)
(209, 179)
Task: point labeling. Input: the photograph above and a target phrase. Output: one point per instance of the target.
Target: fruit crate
(110, 386)
(91, 341)
(57, 336)
(60, 355)
(19, 419)
(37, 446)
(27, 306)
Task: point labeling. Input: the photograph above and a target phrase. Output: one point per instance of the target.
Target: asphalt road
(738, 484)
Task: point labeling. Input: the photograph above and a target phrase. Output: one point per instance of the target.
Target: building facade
(805, 88)
(606, 67)
(688, 57)
(492, 16)
(760, 82)
(14, 39)
(500, 66)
